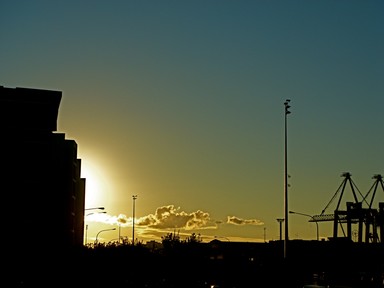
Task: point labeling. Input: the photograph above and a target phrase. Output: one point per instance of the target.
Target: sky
(182, 104)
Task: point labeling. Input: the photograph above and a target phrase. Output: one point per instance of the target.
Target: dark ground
(199, 265)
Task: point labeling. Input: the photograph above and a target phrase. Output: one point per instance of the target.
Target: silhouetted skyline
(181, 104)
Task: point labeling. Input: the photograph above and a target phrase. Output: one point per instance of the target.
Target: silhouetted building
(40, 180)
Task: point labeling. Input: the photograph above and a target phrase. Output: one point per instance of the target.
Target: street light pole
(134, 197)
(286, 104)
(86, 226)
(97, 235)
(95, 208)
(86, 234)
(280, 221)
(313, 219)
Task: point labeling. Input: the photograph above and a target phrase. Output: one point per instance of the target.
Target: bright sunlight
(96, 185)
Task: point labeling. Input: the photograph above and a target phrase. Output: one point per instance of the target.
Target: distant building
(42, 192)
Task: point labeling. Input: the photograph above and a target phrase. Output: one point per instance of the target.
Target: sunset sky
(182, 104)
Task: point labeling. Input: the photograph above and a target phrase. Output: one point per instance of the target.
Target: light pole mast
(286, 104)
(134, 197)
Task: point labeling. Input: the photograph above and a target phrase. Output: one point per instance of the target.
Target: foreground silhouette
(195, 264)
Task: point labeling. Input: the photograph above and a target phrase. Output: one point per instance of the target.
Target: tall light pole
(286, 104)
(134, 197)
(313, 219)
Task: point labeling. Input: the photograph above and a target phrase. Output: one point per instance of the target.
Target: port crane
(360, 212)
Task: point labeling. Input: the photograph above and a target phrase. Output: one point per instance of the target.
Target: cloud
(120, 220)
(170, 217)
(165, 217)
(238, 221)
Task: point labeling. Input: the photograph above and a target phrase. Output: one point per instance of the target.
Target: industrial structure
(361, 213)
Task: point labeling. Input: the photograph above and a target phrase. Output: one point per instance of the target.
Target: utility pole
(286, 104)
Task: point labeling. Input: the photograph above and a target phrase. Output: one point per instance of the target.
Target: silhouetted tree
(170, 240)
(194, 238)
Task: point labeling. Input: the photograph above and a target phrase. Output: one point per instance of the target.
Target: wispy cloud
(120, 220)
(238, 221)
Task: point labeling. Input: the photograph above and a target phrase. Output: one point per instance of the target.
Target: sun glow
(96, 185)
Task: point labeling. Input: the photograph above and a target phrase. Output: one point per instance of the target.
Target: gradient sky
(182, 104)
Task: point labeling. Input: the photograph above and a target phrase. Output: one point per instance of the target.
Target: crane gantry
(360, 212)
